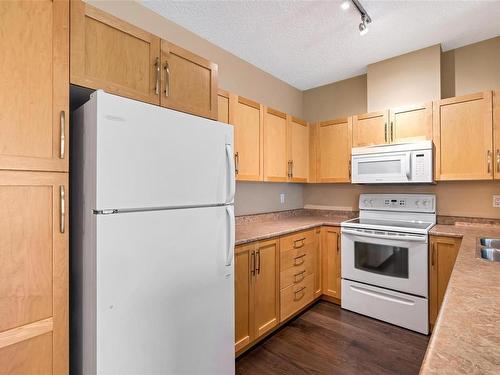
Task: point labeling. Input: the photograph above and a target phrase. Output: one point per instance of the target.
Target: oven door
(391, 167)
(392, 260)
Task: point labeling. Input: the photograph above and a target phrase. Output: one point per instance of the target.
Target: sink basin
(490, 249)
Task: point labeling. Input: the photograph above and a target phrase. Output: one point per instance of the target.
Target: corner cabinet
(463, 135)
(34, 267)
(34, 89)
(188, 81)
(443, 253)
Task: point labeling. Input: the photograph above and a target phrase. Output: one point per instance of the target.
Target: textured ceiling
(312, 43)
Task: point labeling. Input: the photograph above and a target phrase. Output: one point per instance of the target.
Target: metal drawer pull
(297, 292)
(301, 257)
(252, 263)
(299, 274)
(62, 208)
(62, 124)
(258, 262)
(157, 83)
(167, 79)
(301, 240)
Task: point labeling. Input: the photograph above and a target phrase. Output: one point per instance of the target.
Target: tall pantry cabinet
(34, 187)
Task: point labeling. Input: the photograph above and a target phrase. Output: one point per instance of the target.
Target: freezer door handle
(231, 229)
(231, 174)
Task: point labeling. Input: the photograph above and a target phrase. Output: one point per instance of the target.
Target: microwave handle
(385, 236)
(408, 165)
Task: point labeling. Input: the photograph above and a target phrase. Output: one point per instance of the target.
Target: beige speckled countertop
(466, 337)
(273, 227)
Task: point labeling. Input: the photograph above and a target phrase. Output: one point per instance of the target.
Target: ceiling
(312, 43)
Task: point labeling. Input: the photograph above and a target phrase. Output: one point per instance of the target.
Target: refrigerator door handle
(231, 229)
(231, 174)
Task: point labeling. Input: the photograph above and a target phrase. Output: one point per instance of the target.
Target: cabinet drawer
(297, 240)
(294, 258)
(296, 274)
(295, 297)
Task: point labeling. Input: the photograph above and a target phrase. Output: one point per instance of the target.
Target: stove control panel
(398, 202)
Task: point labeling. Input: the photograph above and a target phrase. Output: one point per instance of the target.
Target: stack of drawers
(297, 253)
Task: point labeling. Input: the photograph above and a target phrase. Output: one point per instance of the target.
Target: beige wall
(234, 74)
(472, 199)
(411, 78)
(338, 99)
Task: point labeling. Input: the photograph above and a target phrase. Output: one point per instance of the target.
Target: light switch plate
(496, 201)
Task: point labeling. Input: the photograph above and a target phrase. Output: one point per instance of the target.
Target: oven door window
(381, 259)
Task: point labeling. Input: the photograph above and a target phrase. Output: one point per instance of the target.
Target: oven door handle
(414, 238)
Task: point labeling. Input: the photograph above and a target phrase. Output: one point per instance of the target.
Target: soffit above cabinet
(309, 44)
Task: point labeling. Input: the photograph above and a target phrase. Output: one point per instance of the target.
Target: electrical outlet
(496, 201)
(282, 198)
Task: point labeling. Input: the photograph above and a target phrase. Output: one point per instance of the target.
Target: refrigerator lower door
(165, 296)
(149, 157)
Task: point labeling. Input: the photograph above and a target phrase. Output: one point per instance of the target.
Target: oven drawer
(397, 308)
(295, 275)
(295, 297)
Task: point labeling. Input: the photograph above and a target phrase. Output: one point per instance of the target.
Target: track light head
(363, 29)
(345, 4)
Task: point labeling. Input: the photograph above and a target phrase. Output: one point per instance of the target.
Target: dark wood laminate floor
(328, 340)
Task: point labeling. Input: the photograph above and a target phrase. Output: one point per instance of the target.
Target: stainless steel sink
(489, 249)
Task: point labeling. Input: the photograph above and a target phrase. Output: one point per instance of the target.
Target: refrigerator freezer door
(165, 298)
(149, 157)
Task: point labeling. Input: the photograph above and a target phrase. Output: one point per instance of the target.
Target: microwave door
(380, 168)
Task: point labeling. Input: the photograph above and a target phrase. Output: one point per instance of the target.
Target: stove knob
(371, 202)
(426, 203)
(365, 202)
(417, 203)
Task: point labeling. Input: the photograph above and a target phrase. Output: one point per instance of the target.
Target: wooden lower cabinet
(330, 253)
(34, 269)
(442, 255)
(256, 291)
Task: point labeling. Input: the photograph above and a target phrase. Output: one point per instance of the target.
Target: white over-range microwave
(391, 164)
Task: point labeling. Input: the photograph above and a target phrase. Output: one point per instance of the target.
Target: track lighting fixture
(365, 18)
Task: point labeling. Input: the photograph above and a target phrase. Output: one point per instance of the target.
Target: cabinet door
(110, 54)
(247, 118)
(276, 165)
(334, 150)
(317, 291)
(444, 251)
(496, 132)
(34, 269)
(244, 261)
(223, 106)
(188, 81)
(298, 149)
(330, 250)
(463, 135)
(34, 89)
(411, 123)
(313, 152)
(370, 129)
(266, 287)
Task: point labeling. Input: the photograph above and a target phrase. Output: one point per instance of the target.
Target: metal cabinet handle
(157, 70)
(252, 263)
(385, 131)
(167, 79)
(301, 240)
(489, 161)
(236, 163)
(301, 257)
(392, 131)
(62, 125)
(498, 160)
(433, 255)
(299, 274)
(62, 208)
(258, 262)
(298, 291)
(291, 168)
(350, 166)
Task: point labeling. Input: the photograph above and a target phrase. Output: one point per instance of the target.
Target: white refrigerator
(152, 241)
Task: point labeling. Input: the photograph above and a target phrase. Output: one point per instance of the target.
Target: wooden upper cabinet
(247, 118)
(443, 253)
(496, 132)
(298, 149)
(188, 81)
(411, 123)
(370, 129)
(34, 88)
(276, 165)
(334, 150)
(330, 253)
(463, 135)
(223, 106)
(34, 267)
(110, 54)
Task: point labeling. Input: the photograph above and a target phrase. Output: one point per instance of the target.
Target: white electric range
(384, 258)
